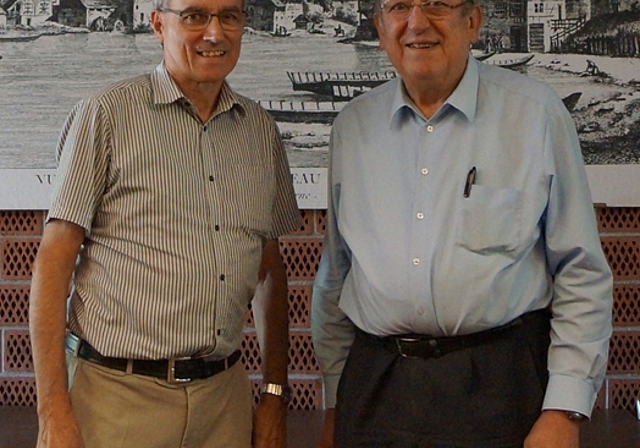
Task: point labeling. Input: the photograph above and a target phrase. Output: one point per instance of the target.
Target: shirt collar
(464, 98)
(166, 91)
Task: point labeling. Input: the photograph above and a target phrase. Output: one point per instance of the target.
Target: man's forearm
(47, 330)
(53, 269)
(270, 310)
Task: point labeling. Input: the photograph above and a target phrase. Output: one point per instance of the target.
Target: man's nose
(417, 17)
(214, 28)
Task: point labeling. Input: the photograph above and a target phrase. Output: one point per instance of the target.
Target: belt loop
(129, 369)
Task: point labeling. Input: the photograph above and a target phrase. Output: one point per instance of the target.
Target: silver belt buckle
(432, 345)
(171, 371)
(403, 340)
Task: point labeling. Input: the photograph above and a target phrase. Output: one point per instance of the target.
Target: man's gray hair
(159, 4)
(377, 7)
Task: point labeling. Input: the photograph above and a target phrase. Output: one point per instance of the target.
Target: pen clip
(471, 179)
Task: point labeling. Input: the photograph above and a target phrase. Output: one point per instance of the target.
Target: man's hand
(60, 431)
(553, 430)
(327, 438)
(270, 423)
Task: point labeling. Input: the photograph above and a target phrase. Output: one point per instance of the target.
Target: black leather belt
(425, 346)
(174, 370)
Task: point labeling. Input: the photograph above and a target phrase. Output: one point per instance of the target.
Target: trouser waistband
(426, 346)
(173, 370)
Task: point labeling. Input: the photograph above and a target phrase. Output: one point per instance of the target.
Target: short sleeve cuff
(569, 394)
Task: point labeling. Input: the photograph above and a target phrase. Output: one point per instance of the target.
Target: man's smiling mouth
(420, 45)
(212, 54)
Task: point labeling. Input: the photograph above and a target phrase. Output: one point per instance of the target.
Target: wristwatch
(283, 391)
(576, 416)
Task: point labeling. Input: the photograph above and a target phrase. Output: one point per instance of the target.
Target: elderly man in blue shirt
(462, 299)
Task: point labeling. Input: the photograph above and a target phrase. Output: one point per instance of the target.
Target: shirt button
(429, 128)
(217, 227)
(211, 177)
(222, 277)
(420, 310)
(420, 215)
(416, 261)
(424, 171)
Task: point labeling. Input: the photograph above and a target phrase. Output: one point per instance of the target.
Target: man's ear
(475, 18)
(379, 24)
(155, 18)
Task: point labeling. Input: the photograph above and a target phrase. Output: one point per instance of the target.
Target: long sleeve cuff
(569, 394)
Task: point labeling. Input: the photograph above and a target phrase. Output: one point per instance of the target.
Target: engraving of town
(303, 60)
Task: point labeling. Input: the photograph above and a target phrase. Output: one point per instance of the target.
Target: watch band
(283, 391)
(576, 416)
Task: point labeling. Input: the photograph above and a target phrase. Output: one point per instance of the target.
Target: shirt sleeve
(83, 157)
(285, 215)
(331, 329)
(582, 297)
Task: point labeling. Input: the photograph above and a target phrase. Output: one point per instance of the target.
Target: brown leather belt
(425, 346)
(174, 370)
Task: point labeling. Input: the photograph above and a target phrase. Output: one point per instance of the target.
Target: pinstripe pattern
(176, 213)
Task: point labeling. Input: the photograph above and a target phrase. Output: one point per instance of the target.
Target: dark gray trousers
(486, 396)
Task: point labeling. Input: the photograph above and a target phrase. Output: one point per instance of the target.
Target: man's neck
(203, 95)
(429, 94)
(428, 100)
(204, 99)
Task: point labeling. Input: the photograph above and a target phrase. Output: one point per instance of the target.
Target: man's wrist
(283, 391)
(567, 416)
(576, 417)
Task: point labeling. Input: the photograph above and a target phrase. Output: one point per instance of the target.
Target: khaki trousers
(119, 410)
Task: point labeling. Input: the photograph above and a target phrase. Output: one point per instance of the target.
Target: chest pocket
(490, 220)
(248, 196)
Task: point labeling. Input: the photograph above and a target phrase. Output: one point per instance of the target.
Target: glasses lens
(397, 9)
(436, 9)
(402, 9)
(195, 19)
(231, 20)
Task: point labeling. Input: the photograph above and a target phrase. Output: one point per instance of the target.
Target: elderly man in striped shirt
(171, 193)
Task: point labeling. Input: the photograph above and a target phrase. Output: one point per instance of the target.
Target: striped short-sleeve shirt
(176, 213)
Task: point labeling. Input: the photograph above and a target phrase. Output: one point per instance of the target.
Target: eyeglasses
(193, 19)
(433, 9)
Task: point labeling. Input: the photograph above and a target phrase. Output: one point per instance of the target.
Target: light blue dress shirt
(406, 252)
